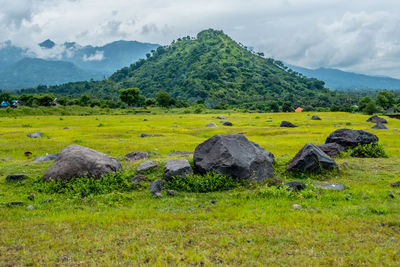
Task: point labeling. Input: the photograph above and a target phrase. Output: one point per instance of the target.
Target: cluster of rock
(379, 122)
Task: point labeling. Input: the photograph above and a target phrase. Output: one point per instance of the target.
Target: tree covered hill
(212, 68)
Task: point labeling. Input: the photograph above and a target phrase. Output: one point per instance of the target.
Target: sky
(353, 35)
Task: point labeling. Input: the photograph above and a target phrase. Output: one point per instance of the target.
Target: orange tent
(299, 109)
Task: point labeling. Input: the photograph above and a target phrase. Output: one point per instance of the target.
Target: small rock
(226, 123)
(337, 187)
(31, 197)
(30, 207)
(15, 177)
(296, 207)
(137, 155)
(336, 125)
(47, 201)
(221, 117)
(172, 193)
(6, 159)
(156, 186)
(295, 186)
(158, 195)
(145, 135)
(15, 203)
(177, 168)
(145, 119)
(344, 165)
(316, 118)
(35, 135)
(147, 165)
(47, 157)
(380, 126)
(390, 195)
(211, 125)
(66, 128)
(138, 179)
(287, 124)
(395, 184)
(213, 202)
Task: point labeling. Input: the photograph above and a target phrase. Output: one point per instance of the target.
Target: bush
(373, 150)
(83, 187)
(210, 182)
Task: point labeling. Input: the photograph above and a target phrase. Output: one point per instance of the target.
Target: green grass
(250, 225)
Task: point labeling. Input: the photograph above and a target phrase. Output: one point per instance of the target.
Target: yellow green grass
(252, 226)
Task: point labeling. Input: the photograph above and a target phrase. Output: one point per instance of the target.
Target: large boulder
(177, 168)
(380, 126)
(80, 161)
(311, 159)
(351, 138)
(288, 124)
(376, 119)
(332, 149)
(234, 155)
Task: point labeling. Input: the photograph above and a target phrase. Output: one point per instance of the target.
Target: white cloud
(358, 35)
(98, 56)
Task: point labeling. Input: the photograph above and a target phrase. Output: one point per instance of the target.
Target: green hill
(214, 68)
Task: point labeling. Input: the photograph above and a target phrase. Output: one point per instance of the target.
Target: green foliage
(84, 187)
(210, 182)
(130, 96)
(385, 99)
(163, 99)
(372, 150)
(367, 105)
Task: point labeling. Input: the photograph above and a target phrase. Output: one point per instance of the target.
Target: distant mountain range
(68, 62)
(349, 81)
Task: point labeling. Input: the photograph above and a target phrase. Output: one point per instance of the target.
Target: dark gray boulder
(15, 177)
(380, 126)
(332, 149)
(145, 135)
(156, 186)
(234, 155)
(35, 135)
(137, 155)
(316, 118)
(311, 159)
(288, 124)
(376, 119)
(147, 165)
(295, 186)
(351, 138)
(80, 161)
(47, 157)
(177, 168)
(226, 123)
(395, 184)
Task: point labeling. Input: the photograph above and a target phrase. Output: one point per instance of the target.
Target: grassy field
(252, 225)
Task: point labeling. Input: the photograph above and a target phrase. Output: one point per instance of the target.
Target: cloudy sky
(356, 35)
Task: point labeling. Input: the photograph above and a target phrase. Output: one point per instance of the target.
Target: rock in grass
(137, 155)
(47, 157)
(337, 187)
(138, 179)
(351, 138)
(234, 155)
(332, 149)
(145, 135)
(31, 197)
(180, 153)
(80, 161)
(226, 123)
(316, 118)
(15, 177)
(395, 184)
(287, 124)
(380, 126)
(172, 193)
(147, 165)
(211, 125)
(30, 207)
(376, 119)
(6, 159)
(177, 168)
(156, 186)
(296, 207)
(295, 186)
(221, 117)
(35, 135)
(311, 159)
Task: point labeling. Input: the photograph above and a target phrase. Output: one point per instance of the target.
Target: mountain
(341, 80)
(20, 68)
(33, 71)
(214, 68)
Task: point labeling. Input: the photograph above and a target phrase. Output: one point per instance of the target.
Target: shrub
(210, 182)
(83, 187)
(372, 150)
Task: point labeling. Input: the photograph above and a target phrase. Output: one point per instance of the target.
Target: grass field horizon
(250, 225)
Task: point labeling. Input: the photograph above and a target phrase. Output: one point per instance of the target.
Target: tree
(363, 102)
(163, 99)
(84, 100)
(130, 96)
(385, 99)
(287, 106)
(370, 108)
